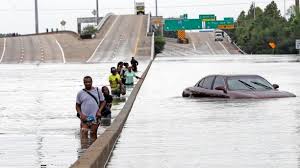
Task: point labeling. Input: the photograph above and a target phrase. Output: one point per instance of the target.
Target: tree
(272, 11)
(254, 35)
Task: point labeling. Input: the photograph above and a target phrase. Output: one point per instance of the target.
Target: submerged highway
(163, 128)
(166, 130)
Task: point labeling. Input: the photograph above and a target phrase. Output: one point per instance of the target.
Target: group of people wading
(93, 103)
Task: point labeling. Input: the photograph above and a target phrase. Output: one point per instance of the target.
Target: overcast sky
(18, 15)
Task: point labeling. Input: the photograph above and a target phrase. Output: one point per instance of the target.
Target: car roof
(241, 75)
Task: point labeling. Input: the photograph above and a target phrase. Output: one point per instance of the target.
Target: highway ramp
(32, 49)
(205, 42)
(120, 38)
(121, 41)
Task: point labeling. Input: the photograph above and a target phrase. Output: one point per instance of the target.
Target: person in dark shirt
(106, 112)
(134, 64)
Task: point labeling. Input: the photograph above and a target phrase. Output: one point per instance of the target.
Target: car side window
(199, 84)
(207, 84)
(219, 81)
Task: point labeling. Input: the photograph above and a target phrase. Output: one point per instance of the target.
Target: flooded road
(38, 124)
(165, 130)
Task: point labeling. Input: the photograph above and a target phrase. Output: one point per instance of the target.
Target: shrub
(159, 42)
(89, 30)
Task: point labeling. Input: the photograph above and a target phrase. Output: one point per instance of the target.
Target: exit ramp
(125, 38)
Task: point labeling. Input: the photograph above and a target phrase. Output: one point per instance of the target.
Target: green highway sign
(208, 22)
(229, 19)
(215, 24)
(207, 17)
(191, 24)
(182, 24)
(173, 24)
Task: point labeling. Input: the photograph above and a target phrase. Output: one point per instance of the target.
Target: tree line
(257, 29)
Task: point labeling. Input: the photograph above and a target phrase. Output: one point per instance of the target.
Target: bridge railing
(148, 24)
(101, 23)
(232, 42)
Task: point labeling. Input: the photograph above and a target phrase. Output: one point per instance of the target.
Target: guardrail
(240, 50)
(103, 20)
(229, 40)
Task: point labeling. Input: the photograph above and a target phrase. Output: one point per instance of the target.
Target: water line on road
(3, 52)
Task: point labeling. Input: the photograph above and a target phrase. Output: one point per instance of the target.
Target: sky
(18, 15)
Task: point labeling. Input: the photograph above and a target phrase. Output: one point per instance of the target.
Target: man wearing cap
(115, 82)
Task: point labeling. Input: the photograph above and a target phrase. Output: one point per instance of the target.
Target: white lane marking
(224, 48)
(62, 51)
(211, 50)
(192, 41)
(193, 45)
(138, 37)
(3, 52)
(94, 53)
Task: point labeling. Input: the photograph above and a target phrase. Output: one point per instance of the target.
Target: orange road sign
(226, 26)
(181, 34)
(272, 45)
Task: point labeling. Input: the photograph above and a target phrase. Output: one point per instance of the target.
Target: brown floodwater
(38, 124)
(165, 130)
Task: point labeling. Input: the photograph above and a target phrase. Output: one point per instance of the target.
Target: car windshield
(248, 83)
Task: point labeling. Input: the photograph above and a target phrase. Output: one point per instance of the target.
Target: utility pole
(36, 17)
(254, 10)
(97, 10)
(156, 7)
(284, 9)
(297, 7)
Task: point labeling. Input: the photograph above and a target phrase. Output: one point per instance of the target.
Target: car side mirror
(275, 86)
(221, 88)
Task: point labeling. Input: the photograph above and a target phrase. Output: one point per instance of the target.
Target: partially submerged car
(235, 87)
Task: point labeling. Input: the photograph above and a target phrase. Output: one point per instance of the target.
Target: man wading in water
(89, 104)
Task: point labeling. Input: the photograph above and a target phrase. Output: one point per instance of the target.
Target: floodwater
(165, 130)
(38, 124)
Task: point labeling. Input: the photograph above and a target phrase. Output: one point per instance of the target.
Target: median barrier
(98, 154)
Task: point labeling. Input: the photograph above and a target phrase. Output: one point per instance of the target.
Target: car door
(219, 81)
(203, 87)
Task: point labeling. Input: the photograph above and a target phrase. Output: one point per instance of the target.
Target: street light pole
(284, 9)
(97, 10)
(36, 17)
(156, 7)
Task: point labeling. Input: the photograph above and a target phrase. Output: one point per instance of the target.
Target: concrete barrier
(240, 50)
(98, 154)
(103, 20)
(235, 45)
